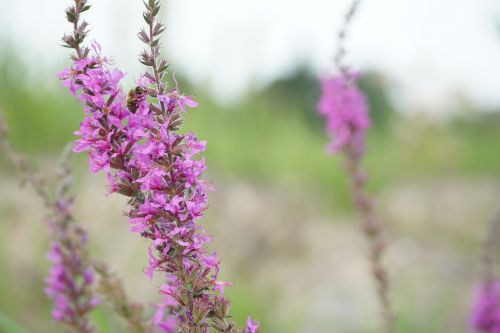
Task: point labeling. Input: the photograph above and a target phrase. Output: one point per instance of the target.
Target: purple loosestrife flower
(137, 143)
(346, 112)
(485, 316)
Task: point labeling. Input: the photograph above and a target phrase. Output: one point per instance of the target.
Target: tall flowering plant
(136, 141)
(345, 109)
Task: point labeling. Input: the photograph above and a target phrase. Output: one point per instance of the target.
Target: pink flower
(346, 113)
(220, 285)
(69, 281)
(252, 326)
(162, 319)
(485, 316)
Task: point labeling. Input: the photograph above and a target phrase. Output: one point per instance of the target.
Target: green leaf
(85, 8)
(70, 16)
(9, 326)
(100, 319)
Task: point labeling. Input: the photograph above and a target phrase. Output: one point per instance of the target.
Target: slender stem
(373, 229)
(341, 37)
(489, 250)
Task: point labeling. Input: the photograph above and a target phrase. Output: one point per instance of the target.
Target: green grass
(7, 325)
(277, 140)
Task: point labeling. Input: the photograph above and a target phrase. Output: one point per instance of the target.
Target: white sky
(431, 49)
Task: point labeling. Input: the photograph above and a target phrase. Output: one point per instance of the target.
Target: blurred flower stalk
(71, 277)
(345, 109)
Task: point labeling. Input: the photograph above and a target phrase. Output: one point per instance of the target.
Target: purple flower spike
(136, 142)
(485, 316)
(344, 107)
(70, 278)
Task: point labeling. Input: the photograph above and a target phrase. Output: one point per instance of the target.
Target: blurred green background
(281, 215)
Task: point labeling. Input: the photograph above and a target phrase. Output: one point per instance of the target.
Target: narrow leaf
(70, 16)
(85, 8)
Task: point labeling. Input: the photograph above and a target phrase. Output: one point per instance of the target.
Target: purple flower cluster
(70, 278)
(104, 100)
(485, 317)
(346, 112)
(137, 144)
(135, 141)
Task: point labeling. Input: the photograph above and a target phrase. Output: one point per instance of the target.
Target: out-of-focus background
(281, 215)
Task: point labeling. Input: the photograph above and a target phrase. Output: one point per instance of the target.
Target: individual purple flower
(252, 326)
(485, 315)
(345, 110)
(162, 318)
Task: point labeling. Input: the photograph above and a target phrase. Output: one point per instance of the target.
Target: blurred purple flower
(346, 112)
(485, 316)
(69, 280)
(252, 326)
